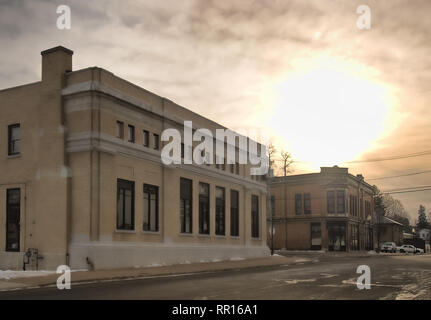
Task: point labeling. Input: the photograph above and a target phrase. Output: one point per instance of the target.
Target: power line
(408, 191)
(410, 155)
(402, 175)
(405, 156)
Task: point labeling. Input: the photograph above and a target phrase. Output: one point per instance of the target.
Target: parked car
(389, 247)
(419, 250)
(407, 248)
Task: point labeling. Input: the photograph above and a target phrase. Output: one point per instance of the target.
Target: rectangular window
(307, 203)
(146, 138)
(186, 213)
(204, 208)
(131, 131)
(14, 139)
(182, 150)
(255, 216)
(354, 237)
(273, 206)
(13, 209)
(232, 168)
(156, 141)
(120, 130)
(298, 203)
(237, 168)
(234, 213)
(151, 208)
(220, 211)
(341, 201)
(330, 200)
(316, 236)
(125, 205)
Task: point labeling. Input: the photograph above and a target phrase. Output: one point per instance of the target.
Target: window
(186, 215)
(330, 199)
(125, 205)
(298, 203)
(316, 236)
(131, 131)
(354, 237)
(204, 208)
(307, 203)
(234, 213)
(120, 130)
(367, 208)
(13, 208)
(220, 211)
(341, 201)
(156, 141)
(14, 140)
(182, 150)
(146, 138)
(272, 206)
(255, 216)
(151, 208)
(232, 168)
(237, 168)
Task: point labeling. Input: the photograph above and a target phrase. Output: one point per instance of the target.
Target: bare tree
(286, 159)
(271, 154)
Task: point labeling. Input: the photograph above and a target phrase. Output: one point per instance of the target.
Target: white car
(407, 248)
(389, 247)
(419, 250)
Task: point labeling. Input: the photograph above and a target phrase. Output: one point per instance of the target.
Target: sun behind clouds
(330, 111)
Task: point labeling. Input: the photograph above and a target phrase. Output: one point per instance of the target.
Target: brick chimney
(55, 63)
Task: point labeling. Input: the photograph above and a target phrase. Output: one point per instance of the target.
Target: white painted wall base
(14, 261)
(112, 255)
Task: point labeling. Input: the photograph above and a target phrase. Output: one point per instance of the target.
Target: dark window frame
(148, 191)
(330, 201)
(12, 143)
(11, 207)
(307, 203)
(255, 216)
(341, 205)
(204, 209)
(220, 217)
(298, 203)
(156, 141)
(234, 213)
(186, 201)
(120, 129)
(126, 185)
(146, 138)
(131, 133)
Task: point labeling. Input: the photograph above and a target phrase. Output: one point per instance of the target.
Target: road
(316, 277)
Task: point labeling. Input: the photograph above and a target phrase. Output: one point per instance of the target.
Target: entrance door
(316, 236)
(13, 206)
(337, 236)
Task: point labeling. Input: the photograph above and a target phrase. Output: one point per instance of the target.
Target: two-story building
(331, 210)
(83, 182)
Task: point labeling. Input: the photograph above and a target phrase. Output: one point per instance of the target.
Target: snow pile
(12, 274)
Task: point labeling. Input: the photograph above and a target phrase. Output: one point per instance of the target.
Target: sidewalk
(80, 277)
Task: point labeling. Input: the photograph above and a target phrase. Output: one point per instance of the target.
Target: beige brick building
(331, 210)
(82, 179)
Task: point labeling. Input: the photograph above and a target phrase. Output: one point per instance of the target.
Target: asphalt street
(311, 277)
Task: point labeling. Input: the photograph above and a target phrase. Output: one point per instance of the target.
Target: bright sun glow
(329, 112)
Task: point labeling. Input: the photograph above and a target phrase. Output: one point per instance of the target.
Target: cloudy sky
(324, 90)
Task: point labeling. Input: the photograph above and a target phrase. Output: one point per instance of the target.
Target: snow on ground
(12, 274)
